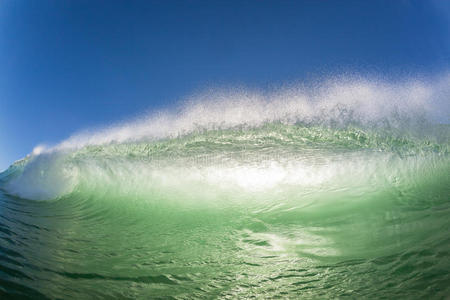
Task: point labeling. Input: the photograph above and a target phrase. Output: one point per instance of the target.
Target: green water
(276, 211)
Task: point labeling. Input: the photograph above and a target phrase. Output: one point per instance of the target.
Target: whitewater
(333, 189)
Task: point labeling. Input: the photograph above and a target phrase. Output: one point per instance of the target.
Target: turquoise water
(321, 207)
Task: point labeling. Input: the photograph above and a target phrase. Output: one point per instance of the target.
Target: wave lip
(273, 159)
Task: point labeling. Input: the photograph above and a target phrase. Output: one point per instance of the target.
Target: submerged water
(264, 199)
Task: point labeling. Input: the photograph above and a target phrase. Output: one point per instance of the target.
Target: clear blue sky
(72, 65)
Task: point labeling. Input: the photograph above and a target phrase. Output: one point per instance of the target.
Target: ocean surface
(335, 191)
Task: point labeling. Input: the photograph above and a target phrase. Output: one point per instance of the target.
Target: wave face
(334, 190)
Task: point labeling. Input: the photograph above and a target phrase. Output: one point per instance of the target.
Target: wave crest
(294, 137)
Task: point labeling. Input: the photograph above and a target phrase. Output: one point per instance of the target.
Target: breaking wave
(338, 189)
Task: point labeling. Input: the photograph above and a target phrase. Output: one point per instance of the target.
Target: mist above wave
(334, 102)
